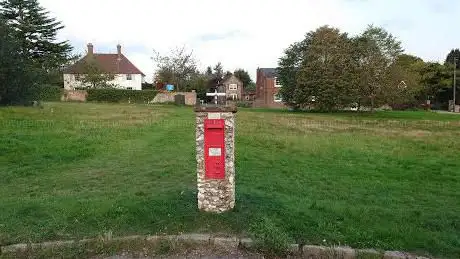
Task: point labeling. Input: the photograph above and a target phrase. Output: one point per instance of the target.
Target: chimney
(119, 57)
(119, 50)
(90, 49)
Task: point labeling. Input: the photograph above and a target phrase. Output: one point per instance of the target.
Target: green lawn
(390, 180)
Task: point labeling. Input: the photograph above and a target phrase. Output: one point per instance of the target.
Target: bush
(118, 95)
(244, 104)
(50, 93)
(268, 237)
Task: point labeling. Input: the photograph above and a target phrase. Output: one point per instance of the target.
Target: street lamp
(455, 80)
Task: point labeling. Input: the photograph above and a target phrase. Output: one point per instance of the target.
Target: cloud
(245, 34)
(219, 36)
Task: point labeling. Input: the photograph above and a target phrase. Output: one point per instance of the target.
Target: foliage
(228, 74)
(50, 93)
(198, 82)
(244, 104)
(268, 237)
(244, 76)
(376, 50)
(35, 32)
(19, 76)
(453, 54)
(251, 87)
(328, 70)
(175, 68)
(218, 72)
(289, 67)
(118, 95)
(148, 86)
(325, 79)
(93, 76)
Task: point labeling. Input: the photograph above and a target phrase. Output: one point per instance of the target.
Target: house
(267, 89)
(249, 95)
(233, 87)
(123, 73)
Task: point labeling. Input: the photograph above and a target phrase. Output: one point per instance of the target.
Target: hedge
(119, 95)
(49, 93)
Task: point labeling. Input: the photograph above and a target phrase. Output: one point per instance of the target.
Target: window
(277, 98)
(277, 82)
(234, 97)
(129, 88)
(233, 87)
(129, 77)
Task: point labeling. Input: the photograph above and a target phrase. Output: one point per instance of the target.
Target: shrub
(244, 104)
(50, 93)
(118, 95)
(268, 237)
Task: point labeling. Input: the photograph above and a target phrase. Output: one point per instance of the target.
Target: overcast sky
(247, 33)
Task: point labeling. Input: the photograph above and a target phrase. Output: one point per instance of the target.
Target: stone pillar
(216, 195)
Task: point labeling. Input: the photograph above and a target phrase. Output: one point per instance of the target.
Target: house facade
(124, 74)
(233, 88)
(267, 89)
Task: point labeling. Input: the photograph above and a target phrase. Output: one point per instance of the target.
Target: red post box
(214, 148)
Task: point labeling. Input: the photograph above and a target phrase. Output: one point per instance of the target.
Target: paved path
(446, 112)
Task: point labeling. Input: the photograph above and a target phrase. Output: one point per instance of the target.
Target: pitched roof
(109, 63)
(224, 81)
(269, 72)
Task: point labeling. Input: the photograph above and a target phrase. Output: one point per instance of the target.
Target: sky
(246, 33)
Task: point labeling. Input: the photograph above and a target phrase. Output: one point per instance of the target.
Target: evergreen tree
(19, 78)
(244, 76)
(35, 32)
(218, 72)
(455, 53)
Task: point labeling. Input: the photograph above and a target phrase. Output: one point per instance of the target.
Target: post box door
(214, 148)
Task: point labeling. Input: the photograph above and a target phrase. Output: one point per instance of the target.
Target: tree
(436, 80)
(35, 33)
(288, 69)
(228, 74)
(94, 76)
(218, 72)
(318, 71)
(375, 50)
(19, 76)
(454, 53)
(244, 76)
(405, 87)
(208, 72)
(177, 67)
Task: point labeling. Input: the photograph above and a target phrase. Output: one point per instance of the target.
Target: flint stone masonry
(216, 195)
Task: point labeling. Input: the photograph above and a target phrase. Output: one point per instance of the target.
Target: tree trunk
(372, 103)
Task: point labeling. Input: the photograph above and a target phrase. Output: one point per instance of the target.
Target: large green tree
(375, 51)
(318, 71)
(19, 76)
(244, 76)
(35, 32)
(289, 66)
(454, 54)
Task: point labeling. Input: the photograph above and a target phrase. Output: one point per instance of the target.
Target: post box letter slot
(214, 148)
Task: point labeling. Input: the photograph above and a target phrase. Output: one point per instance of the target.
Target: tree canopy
(330, 70)
(244, 76)
(31, 55)
(19, 77)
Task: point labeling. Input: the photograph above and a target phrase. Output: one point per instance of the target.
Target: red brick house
(267, 89)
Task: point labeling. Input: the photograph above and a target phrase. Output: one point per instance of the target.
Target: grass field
(389, 180)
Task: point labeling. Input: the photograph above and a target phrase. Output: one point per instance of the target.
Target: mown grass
(388, 180)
